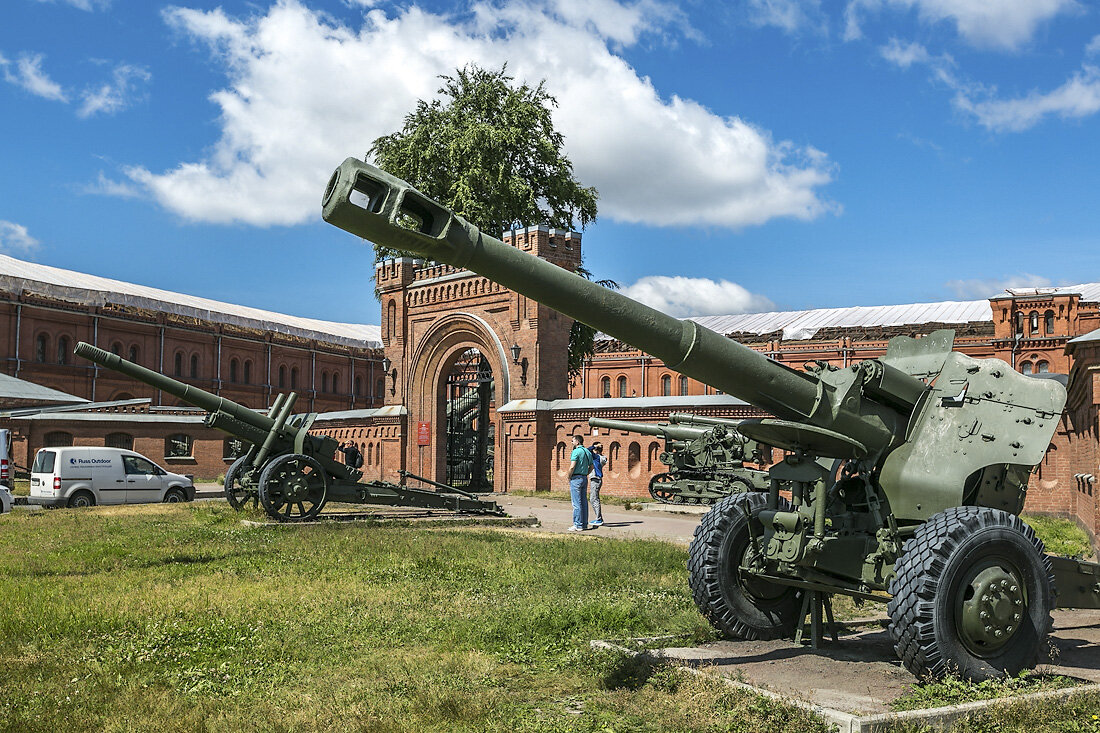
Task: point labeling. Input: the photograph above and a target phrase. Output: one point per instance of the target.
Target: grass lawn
(178, 617)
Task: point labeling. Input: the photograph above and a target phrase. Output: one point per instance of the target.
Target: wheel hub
(992, 608)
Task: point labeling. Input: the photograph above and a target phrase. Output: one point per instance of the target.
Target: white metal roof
(76, 287)
(13, 388)
(797, 325)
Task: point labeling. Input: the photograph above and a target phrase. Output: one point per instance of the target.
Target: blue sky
(754, 155)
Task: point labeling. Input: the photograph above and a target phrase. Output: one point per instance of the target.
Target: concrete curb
(849, 723)
(395, 517)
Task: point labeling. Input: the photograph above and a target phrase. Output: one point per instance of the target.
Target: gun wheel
(972, 596)
(734, 601)
(293, 488)
(660, 488)
(237, 494)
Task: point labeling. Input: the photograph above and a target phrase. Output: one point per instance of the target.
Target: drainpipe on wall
(160, 365)
(95, 342)
(218, 381)
(18, 328)
(267, 392)
(312, 379)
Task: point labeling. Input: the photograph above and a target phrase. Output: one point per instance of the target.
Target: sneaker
(575, 528)
(597, 523)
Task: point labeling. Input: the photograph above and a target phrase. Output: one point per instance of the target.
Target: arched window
(1019, 321)
(1042, 367)
(116, 348)
(194, 366)
(653, 456)
(613, 457)
(605, 387)
(1048, 322)
(63, 350)
(248, 371)
(119, 440)
(178, 366)
(178, 446)
(666, 386)
(634, 460)
(40, 347)
(282, 376)
(324, 381)
(234, 367)
(1034, 318)
(358, 386)
(1025, 367)
(559, 458)
(380, 387)
(378, 453)
(622, 386)
(57, 439)
(391, 318)
(134, 354)
(683, 386)
(336, 382)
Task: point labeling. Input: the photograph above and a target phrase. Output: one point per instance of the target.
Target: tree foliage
(487, 148)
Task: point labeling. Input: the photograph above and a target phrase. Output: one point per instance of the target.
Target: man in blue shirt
(580, 463)
(595, 483)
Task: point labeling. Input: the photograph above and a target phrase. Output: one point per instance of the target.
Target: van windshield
(43, 462)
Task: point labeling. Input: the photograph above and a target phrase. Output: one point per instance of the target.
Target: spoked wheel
(972, 596)
(293, 488)
(660, 488)
(735, 602)
(236, 493)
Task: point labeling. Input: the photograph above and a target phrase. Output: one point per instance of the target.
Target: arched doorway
(470, 433)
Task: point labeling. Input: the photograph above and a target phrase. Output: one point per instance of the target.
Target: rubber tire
(174, 496)
(267, 475)
(230, 477)
(719, 544)
(936, 558)
(74, 502)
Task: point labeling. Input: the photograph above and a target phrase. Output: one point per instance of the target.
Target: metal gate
(470, 432)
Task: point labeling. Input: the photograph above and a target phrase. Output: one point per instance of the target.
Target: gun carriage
(907, 473)
(291, 473)
(705, 463)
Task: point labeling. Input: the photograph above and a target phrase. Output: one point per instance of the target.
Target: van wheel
(81, 499)
(174, 496)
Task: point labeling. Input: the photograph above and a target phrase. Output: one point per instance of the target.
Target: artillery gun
(286, 470)
(906, 473)
(705, 464)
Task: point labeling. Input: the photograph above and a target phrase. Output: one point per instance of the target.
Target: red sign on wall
(423, 433)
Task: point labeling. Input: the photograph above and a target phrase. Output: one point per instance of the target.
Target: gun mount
(291, 473)
(906, 472)
(705, 464)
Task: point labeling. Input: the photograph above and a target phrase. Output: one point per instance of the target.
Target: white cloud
(696, 296)
(977, 288)
(106, 187)
(29, 75)
(14, 239)
(905, 54)
(1004, 24)
(1093, 46)
(1078, 97)
(304, 92)
(88, 5)
(791, 16)
(127, 83)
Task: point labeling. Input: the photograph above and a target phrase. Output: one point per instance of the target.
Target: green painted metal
(705, 463)
(874, 450)
(291, 473)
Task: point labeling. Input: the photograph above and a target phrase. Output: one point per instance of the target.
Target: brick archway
(435, 355)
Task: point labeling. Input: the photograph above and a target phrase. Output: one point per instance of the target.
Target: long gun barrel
(686, 418)
(376, 206)
(191, 395)
(668, 432)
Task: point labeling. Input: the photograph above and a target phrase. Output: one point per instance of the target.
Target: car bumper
(48, 501)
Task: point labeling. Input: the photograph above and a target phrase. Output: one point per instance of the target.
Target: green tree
(487, 149)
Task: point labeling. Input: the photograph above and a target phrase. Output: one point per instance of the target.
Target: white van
(89, 476)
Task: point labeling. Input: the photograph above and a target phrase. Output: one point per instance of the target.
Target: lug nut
(1013, 589)
(988, 628)
(983, 615)
(1015, 617)
(998, 633)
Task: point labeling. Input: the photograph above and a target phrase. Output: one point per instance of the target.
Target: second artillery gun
(287, 470)
(907, 473)
(705, 463)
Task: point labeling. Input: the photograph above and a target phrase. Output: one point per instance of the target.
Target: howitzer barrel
(686, 418)
(669, 432)
(376, 206)
(187, 393)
